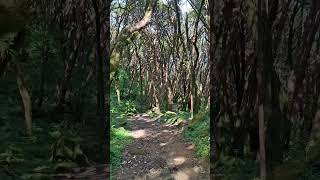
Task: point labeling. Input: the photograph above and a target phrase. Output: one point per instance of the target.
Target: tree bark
(214, 117)
(104, 131)
(26, 99)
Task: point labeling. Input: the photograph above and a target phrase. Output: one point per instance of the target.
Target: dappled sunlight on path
(159, 152)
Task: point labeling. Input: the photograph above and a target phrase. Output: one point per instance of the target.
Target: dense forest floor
(159, 151)
(59, 144)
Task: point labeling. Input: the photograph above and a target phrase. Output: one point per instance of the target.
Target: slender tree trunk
(150, 95)
(141, 78)
(66, 80)
(156, 96)
(261, 95)
(42, 76)
(118, 94)
(26, 99)
(262, 149)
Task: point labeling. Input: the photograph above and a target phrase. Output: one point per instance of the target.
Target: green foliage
(114, 62)
(311, 171)
(300, 165)
(43, 62)
(297, 170)
(40, 39)
(236, 168)
(66, 149)
(28, 157)
(170, 117)
(153, 113)
(198, 132)
(6, 40)
(202, 115)
(295, 167)
(120, 138)
(296, 150)
(121, 112)
(10, 156)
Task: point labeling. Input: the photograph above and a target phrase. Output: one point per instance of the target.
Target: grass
(120, 138)
(198, 133)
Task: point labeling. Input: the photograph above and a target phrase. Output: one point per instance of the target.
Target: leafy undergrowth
(248, 169)
(121, 112)
(198, 133)
(49, 150)
(54, 147)
(120, 137)
(236, 168)
(300, 164)
(295, 167)
(170, 117)
(153, 113)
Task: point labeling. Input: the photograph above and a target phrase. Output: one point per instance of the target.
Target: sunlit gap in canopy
(184, 5)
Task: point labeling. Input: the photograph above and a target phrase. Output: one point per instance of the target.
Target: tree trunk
(315, 131)
(262, 149)
(156, 96)
(104, 131)
(44, 59)
(298, 73)
(26, 99)
(214, 116)
(118, 94)
(66, 79)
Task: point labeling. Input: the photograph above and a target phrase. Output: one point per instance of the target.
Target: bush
(121, 112)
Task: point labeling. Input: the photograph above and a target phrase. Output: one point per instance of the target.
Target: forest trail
(159, 152)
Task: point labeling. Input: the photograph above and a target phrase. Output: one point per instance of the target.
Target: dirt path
(159, 152)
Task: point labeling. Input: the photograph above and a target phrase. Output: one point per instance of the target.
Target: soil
(159, 151)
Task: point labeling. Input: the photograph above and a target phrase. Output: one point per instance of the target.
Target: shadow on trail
(159, 152)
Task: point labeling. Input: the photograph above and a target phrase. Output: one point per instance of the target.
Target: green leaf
(42, 169)
(65, 166)
(55, 134)
(68, 152)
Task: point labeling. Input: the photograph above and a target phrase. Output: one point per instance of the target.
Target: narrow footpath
(160, 152)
